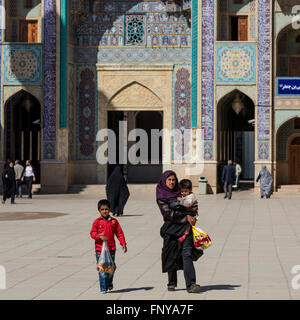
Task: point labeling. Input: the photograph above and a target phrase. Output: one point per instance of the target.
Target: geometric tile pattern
(71, 111)
(23, 64)
(264, 79)
(101, 24)
(49, 133)
(236, 63)
(208, 69)
(86, 112)
(182, 111)
(130, 54)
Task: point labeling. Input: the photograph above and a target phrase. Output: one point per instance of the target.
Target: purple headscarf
(162, 191)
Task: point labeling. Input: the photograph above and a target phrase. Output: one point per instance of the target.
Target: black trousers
(228, 189)
(28, 181)
(188, 265)
(9, 194)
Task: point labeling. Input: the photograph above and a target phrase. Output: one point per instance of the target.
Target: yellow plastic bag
(201, 238)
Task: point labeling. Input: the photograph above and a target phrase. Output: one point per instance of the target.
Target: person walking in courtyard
(228, 177)
(105, 228)
(9, 183)
(177, 235)
(266, 182)
(117, 191)
(29, 176)
(18, 170)
(238, 171)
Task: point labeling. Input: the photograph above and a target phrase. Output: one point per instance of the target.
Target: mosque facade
(228, 70)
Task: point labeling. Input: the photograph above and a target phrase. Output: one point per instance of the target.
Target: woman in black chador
(117, 191)
(8, 179)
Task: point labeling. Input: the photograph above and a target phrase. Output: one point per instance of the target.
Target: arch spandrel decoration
(12, 90)
(283, 116)
(222, 91)
(134, 95)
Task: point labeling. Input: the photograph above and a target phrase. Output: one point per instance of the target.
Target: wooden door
(242, 28)
(28, 31)
(294, 164)
(294, 67)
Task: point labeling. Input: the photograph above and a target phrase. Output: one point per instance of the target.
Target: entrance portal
(236, 121)
(23, 129)
(146, 120)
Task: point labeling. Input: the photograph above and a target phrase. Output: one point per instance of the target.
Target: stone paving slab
(256, 242)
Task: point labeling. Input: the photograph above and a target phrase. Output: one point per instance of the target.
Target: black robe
(117, 191)
(171, 231)
(8, 183)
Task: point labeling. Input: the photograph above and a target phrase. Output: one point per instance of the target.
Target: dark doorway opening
(23, 129)
(236, 122)
(146, 120)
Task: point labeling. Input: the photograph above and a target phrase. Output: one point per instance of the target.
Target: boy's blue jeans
(105, 278)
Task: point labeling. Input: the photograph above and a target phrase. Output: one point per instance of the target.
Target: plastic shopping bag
(106, 263)
(201, 238)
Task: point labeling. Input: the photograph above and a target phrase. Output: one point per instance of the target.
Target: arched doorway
(288, 52)
(294, 160)
(23, 129)
(145, 120)
(235, 125)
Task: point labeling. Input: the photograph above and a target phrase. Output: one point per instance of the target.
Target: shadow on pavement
(132, 289)
(216, 287)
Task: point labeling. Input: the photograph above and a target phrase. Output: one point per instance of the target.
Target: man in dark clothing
(228, 177)
(29, 176)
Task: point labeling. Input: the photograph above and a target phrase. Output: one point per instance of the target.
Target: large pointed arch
(134, 94)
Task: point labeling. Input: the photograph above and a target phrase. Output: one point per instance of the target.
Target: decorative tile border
(181, 110)
(235, 63)
(263, 149)
(195, 63)
(86, 112)
(23, 64)
(264, 80)
(70, 112)
(49, 133)
(117, 55)
(207, 76)
(0, 74)
(287, 103)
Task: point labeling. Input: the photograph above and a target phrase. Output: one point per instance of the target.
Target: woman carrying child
(177, 252)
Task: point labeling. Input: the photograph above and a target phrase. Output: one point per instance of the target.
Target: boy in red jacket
(104, 229)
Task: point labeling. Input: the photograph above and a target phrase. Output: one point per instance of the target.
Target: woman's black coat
(117, 191)
(8, 183)
(174, 227)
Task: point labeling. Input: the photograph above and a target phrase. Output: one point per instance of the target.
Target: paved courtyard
(256, 243)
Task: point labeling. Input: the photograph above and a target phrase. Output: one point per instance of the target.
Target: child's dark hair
(103, 202)
(185, 184)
